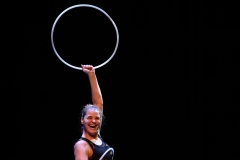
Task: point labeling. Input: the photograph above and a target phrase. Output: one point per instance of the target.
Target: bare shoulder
(80, 145)
(81, 149)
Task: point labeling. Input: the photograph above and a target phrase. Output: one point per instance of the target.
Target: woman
(91, 146)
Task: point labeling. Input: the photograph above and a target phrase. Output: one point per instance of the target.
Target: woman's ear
(81, 120)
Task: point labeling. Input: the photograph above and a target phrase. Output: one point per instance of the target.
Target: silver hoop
(91, 6)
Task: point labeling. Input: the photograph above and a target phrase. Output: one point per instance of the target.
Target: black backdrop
(171, 90)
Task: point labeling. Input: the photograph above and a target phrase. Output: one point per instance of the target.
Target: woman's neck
(90, 137)
(95, 139)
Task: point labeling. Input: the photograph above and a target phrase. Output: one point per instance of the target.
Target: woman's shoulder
(82, 149)
(80, 144)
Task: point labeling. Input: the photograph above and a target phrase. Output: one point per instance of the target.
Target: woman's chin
(93, 133)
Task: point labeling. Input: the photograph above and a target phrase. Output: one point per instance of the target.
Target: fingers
(86, 66)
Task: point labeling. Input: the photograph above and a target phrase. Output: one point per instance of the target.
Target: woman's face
(91, 122)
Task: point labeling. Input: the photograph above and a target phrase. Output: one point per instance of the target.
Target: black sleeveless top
(100, 152)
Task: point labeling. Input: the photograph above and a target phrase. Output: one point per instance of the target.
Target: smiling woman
(91, 145)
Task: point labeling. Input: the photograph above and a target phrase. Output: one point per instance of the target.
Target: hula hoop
(91, 6)
(106, 153)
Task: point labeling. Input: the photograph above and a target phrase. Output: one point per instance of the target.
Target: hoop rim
(91, 6)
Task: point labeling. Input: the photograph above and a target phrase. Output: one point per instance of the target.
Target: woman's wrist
(91, 74)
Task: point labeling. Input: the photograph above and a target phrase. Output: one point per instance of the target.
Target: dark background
(171, 90)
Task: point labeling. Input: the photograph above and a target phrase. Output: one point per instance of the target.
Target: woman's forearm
(95, 91)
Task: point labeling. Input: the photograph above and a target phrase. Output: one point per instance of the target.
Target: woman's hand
(88, 69)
